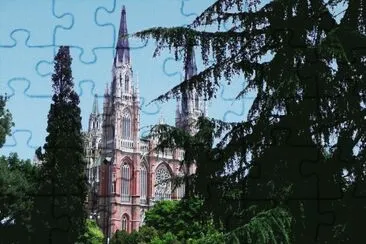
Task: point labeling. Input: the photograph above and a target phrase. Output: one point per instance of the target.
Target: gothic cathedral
(126, 177)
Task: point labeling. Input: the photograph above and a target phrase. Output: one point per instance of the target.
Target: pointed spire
(123, 48)
(190, 69)
(190, 66)
(95, 105)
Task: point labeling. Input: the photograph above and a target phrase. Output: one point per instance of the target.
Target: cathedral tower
(121, 138)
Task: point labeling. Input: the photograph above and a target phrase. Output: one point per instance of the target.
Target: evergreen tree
(59, 214)
(310, 99)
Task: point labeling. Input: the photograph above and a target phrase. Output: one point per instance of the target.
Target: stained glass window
(163, 185)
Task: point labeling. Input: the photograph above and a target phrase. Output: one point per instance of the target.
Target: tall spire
(95, 105)
(190, 69)
(123, 48)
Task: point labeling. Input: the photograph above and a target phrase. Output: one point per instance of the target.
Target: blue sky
(31, 31)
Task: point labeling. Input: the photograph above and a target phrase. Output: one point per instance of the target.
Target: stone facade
(126, 176)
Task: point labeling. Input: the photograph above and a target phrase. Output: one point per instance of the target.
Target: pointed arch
(125, 222)
(163, 185)
(126, 125)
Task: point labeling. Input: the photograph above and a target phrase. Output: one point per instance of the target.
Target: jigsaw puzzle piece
(20, 133)
(76, 37)
(31, 105)
(29, 17)
(18, 62)
(103, 19)
(185, 11)
(235, 108)
(85, 34)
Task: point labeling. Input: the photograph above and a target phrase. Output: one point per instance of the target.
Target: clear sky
(30, 32)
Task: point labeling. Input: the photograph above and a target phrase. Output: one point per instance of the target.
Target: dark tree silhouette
(59, 214)
(301, 148)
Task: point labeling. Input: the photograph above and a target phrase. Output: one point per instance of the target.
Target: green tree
(186, 219)
(59, 214)
(167, 238)
(122, 237)
(17, 187)
(93, 234)
(5, 121)
(307, 71)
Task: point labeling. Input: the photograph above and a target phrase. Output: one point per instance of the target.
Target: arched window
(143, 183)
(163, 185)
(125, 182)
(125, 222)
(126, 125)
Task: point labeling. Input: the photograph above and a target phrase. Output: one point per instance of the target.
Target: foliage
(5, 121)
(185, 219)
(93, 234)
(263, 228)
(122, 237)
(173, 222)
(17, 187)
(305, 62)
(167, 238)
(62, 182)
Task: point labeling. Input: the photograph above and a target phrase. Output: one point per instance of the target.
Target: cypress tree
(59, 213)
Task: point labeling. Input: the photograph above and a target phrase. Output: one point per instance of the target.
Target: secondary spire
(190, 69)
(95, 105)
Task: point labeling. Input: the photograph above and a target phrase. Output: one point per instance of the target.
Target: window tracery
(126, 125)
(163, 185)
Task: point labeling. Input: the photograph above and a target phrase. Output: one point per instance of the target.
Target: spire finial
(123, 48)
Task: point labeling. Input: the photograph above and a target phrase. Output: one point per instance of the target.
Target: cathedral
(125, 175)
